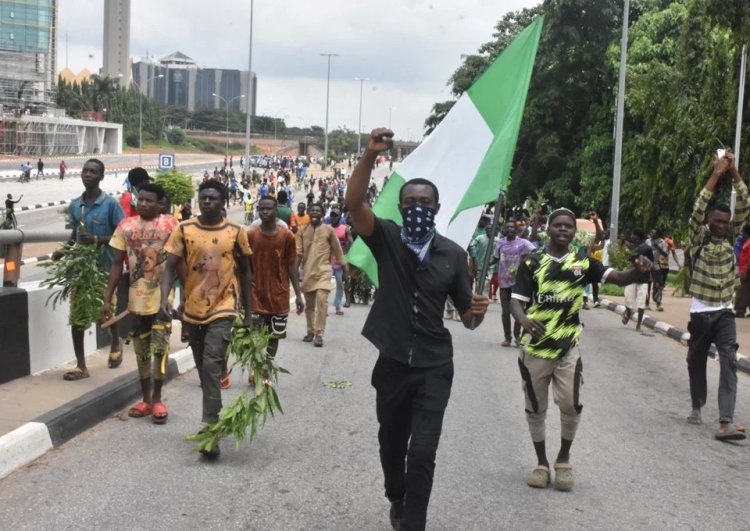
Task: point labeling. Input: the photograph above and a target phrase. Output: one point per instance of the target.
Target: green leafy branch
(79, 278)
(249, 346)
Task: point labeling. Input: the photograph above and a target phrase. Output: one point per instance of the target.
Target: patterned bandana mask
(418, 230)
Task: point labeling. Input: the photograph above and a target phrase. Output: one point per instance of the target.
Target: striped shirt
(714, 276)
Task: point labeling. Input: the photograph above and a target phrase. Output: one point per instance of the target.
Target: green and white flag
(468, 156)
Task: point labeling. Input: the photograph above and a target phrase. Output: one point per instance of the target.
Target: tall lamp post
(250, 90)
(140, 113)
(328, 92)
(227, 103)
(359, 127)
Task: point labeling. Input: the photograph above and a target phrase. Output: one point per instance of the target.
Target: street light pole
(227, 104)
(390, 114)
(359, 127)
(140, 113)
(328, 92)
(250, 91)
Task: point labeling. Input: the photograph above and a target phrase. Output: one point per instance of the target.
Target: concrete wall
(50, 343)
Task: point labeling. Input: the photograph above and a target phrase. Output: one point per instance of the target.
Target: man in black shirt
(418, 269)
(637, 293)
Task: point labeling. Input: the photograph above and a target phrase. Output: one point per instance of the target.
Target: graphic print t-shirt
(509, 254)
(554, 287)
(211, 287)
(143, 241)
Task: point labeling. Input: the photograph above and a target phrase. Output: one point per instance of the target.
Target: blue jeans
(338, 273)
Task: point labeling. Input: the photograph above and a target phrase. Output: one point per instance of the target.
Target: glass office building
(27, 54)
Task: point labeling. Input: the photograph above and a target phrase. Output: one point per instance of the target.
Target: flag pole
(479, 282)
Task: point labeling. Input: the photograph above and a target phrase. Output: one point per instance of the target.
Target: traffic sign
(166, 161)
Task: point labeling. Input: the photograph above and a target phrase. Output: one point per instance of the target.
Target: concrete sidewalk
(43, 411)
(673, 321)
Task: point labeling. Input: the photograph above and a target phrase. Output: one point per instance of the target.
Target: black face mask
(418, 223)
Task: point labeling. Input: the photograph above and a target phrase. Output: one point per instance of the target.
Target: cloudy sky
(407, 48)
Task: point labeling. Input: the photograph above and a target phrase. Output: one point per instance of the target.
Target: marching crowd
(542, 269)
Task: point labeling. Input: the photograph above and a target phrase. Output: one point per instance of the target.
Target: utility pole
(359, 127)
(250, 91)
(615, 208)
(328, 93)
(738, 130)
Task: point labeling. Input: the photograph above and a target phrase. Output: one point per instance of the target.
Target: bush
(131, 139)
(178, 185)
(176, 136)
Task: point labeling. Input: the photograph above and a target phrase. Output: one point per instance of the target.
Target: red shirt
(126, 202)
(744, 258)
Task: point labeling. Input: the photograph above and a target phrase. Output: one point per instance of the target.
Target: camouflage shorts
(151, 342)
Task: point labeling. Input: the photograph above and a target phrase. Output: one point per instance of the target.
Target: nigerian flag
(468, 156)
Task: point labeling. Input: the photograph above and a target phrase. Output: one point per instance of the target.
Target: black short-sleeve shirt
(553, 288)
(406, 319)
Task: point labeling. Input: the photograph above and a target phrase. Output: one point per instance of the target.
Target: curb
(678, 334)
(43, 205)
(50, 430)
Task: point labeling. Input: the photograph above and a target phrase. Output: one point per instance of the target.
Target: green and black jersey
(554, 287)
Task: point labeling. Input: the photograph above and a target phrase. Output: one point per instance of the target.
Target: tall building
(185, 84)
(116, 39)
(27, 55)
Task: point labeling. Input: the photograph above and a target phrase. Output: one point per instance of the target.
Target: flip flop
(115, 359)
(626, 317)
(226, 382)
(732, 433)
(159, 413)
(140, 410)
(76, 374)
(695, 417)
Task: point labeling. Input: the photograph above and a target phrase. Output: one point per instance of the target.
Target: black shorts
(275, 324)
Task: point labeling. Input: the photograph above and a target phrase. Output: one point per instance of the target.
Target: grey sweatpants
(565, 375)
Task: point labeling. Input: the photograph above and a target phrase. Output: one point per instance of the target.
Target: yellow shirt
(211, 288)
(143, 241)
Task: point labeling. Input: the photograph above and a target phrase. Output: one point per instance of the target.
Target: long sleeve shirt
(714, 275)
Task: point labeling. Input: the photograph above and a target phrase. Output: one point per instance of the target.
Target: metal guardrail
(13, 239)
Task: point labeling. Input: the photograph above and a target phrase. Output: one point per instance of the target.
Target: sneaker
(659, 309)
(505, 343)
(318, 341)
(597, 304)
(308, 337)
(397, 511)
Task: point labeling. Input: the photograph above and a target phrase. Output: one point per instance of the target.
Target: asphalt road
(74, 163)
(638, 464)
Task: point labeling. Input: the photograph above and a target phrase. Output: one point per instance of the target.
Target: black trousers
(718, 328)
(410, 405)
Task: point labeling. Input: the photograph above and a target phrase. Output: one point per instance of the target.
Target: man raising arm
(418, 269)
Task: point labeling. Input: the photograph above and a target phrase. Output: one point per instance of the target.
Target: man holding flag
(418, 269)
(468, 157)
